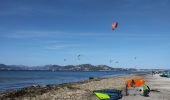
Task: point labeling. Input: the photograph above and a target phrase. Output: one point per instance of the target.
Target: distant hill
(82, 67)
(13, 67)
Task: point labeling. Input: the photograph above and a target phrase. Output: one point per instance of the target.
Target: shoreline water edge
(10, 80)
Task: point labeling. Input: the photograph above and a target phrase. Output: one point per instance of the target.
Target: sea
(20, 79)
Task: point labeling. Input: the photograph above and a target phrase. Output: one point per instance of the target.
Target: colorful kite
(114, 25)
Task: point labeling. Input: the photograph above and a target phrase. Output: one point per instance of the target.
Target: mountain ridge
(81, 67)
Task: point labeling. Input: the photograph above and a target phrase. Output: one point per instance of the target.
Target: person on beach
(153, 73)
(132, 83)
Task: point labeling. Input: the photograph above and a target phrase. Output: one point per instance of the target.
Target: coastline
(11, 80)
(83, 90)
(74, 90)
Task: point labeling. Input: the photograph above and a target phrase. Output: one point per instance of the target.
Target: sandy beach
(83, 90)
(160, 89)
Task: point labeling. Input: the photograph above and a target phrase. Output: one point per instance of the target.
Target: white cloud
(60, 46)
(40, 34)
(60, 36)
(30, 34)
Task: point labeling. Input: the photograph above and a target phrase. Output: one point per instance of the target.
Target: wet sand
(83, 90)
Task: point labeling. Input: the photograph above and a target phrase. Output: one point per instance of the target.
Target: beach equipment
(132, 85)
(135, 82)
(144, 90)
(108, 94)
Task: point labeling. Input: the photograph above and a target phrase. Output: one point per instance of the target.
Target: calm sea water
(20, 79)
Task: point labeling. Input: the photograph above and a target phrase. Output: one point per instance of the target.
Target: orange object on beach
(135, 82)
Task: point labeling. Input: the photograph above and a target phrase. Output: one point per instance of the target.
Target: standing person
(132, 83)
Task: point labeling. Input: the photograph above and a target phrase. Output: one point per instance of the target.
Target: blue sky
(40, 32)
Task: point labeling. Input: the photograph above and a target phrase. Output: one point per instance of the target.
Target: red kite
(114, 25)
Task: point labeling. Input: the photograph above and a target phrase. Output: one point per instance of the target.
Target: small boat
(165, 75)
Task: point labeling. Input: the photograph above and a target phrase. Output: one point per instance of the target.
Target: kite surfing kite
(111, 60)
(78, 57)
(114, 25)
(135, 58)
(108, 94)
(135, 82)
(64, 59)
(117, 62)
